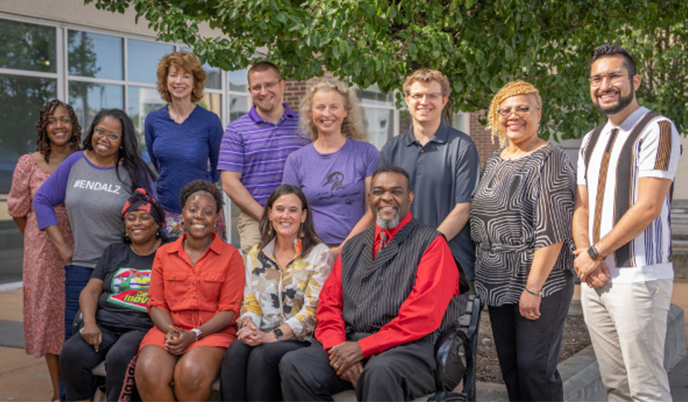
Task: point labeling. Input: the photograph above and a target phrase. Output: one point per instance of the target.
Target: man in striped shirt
(255, 148)
(626, 169)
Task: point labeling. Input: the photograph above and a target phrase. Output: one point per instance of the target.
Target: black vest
(374, 289)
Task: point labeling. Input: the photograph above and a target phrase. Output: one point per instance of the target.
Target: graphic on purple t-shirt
(334, 185)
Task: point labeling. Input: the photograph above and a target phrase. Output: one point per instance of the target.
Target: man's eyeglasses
(432, 96)
(112, 137)
(268, 86)
(615, 77)
(520, 111)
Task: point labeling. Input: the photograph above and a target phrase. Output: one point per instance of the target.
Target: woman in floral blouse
(284, 275)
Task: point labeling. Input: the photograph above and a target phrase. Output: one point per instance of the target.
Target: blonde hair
(514, 88)
(181, 61)
(352, 126)
(427, 75)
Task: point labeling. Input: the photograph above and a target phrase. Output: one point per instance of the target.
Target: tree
(479, 45)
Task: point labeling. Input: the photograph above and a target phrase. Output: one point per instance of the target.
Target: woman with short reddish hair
(183, 140)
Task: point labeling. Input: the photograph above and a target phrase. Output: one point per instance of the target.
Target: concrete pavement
(25, 378)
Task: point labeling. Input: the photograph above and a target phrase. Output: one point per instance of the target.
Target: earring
(158, 233)
(270, 229)
(301, 234)
(126, 236)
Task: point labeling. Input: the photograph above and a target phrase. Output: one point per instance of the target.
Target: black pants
(252, 373)
(528, 350)
(78, 358)
(401, 373)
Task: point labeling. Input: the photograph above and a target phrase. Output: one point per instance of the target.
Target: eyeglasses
(432, 96)
(112, 137)
(520, 111)
(268, 86)
(615, 78)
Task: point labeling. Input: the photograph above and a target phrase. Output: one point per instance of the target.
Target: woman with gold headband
(521, 223)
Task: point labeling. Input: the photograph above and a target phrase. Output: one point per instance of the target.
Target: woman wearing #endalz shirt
(93, 184)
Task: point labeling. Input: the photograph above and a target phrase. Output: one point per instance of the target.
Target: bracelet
(198, 333)
(534, 293)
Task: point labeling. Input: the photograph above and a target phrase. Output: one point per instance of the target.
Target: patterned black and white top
(519, 207)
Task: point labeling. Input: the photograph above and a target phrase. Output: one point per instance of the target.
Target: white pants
(628, 324)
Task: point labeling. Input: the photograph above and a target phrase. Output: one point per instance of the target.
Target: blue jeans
(76, 278)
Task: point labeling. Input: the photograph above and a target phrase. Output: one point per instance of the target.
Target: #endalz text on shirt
(97, 186)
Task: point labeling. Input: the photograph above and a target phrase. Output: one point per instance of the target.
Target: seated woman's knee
(192, 374)
(261, 356)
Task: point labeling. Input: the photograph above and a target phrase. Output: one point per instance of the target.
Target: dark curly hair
(309, 239)
(42, 140)
(129, 156)
(203, 186)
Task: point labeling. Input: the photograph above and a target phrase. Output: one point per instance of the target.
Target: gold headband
(513, 88)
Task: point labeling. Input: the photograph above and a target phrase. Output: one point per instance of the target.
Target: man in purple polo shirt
(255, 147)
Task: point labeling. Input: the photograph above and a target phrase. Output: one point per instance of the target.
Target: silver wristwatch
(199, 334)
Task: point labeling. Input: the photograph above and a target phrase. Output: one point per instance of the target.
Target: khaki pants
(628, 324)
(249, 232)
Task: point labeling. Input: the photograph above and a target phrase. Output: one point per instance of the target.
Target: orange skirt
(187, 320)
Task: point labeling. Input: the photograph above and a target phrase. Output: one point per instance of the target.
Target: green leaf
(479, 45)
(282, 17)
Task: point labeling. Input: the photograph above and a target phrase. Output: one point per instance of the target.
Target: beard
(386, 224)
(620, 104)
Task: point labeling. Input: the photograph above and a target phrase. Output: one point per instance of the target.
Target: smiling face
(286, 215)
(425, 110)
(520, 127)
(266, 89)
(180, 83)
(140, 227)
(59, 127)
(617, 89)
(103, 140)
(328, 111)
(199, 215)
(390, 199)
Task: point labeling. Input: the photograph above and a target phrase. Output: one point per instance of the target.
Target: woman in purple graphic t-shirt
(334, 171)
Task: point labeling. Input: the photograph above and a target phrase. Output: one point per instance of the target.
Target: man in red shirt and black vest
(392, 291)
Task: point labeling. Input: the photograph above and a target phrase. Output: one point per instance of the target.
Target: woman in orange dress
(195, 294)
(58, 132)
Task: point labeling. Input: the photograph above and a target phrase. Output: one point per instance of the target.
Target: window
(95, 56)
(91, 69)
(27, 47)
(380, 115)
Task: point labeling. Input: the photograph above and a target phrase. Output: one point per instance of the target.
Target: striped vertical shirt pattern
(258, 149)
(646, 144)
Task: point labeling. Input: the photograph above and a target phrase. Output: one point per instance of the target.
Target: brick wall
(293, 92)
(481, 137)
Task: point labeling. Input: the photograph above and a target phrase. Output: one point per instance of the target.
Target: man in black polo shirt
(442, 163)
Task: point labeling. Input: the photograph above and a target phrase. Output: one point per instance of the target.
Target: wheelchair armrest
(475, 319)
(78, 322)
(442, 350)
(449, 343)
